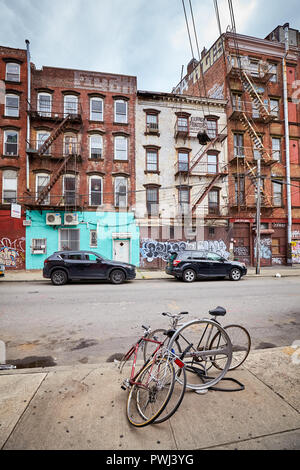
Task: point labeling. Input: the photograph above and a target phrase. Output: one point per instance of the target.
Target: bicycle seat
(218, 311)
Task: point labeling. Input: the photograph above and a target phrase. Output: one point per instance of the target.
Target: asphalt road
(84, 322)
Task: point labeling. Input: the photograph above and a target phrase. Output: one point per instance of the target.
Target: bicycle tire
(200, 333)
(241, 345)
(157, 376)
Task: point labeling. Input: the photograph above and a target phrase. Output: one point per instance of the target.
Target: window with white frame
(274, 107)
(274, 71)
(96, 146)
(96, 109)
(12, 105)
(121, 111)
(42, 136)
(276, 148)
(121, 148)
(183, 161)
(95, 190)
(70, 144)
(38, 246)
(42, 180)
(69, 190)
(70, 105)
(12, 72)
(120, 191)
(44, 104)
(69, 239)
(212, 163)
(93, 239)
(9, 186)
(277, 194)
(11, 143)
(212, 128)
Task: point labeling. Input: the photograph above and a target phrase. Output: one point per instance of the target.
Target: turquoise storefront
(114, 235)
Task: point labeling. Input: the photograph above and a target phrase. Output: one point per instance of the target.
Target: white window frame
(13, 188)
(276, 149)
(99, 178)
(46, 200)
(61, 248)
(40, 141)
(46, 112)
(7, 112)
(73, 101)
(117, 118)
(12, 73)
(123, 156)
(274, 111)
(118, 180)
(71, 146)
(273, 68)
(38, 246)
(277, 200)
(93, 233)
(94, 118)
(6, 132)
(64, 189)
(99, 146)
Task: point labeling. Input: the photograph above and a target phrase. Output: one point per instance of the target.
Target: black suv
(192, 265)
(63, 266)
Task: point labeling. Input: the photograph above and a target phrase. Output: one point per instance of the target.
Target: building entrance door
(121, 250)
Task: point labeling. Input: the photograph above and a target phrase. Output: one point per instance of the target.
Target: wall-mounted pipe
(28, 109)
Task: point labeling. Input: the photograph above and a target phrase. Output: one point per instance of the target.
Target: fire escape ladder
(45, 191)
(197, 157)
(201, 195)
(249, 87)
(255, 139)
(53, 136)
(252, 176)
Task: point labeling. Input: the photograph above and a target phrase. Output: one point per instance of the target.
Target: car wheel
(235, 274)
(189, 275)
(59, 277)
(117, 276)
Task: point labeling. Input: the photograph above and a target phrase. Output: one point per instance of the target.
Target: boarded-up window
(294, 151)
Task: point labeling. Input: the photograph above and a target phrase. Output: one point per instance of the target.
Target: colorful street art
(296, 251)
(12, 252)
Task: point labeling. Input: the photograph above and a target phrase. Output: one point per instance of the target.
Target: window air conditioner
(71, 219)
(53, 219)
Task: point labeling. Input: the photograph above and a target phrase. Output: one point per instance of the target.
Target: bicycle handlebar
(168, 314)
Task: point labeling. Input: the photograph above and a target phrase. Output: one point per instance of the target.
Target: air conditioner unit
(53, 219)
(71, 219)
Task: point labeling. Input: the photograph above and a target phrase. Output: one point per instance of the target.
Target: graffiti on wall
(296, 251)
(12, 253)
(152, 249)
(265, 248)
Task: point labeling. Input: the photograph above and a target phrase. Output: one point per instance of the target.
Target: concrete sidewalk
(83, 407)
(37, 275)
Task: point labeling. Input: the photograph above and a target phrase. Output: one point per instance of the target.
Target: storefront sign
(16, 211)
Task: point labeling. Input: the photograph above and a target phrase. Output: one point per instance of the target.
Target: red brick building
(248, 72)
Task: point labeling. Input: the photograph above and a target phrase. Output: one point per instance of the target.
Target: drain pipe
(28, 109)
(287, 146)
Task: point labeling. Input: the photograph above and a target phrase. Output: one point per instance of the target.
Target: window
(93, 239)
(38, 245)
(12, 103)
(239, 187)
(277, 194)
(9, 186)
(44, 104)
(121, 148)
(212, 128)
(70, 105)
(238, 142)
(11, 141)
(96, 146)
(152, 122)
(182, 124)
(254, 68)
(42, 180)
(236, 102)
(255, 110)
(70, 144)
(212, 163)
(41, 139)
(273, 70)
(152, 201)
(275, 246)
(121, 191)
(69, 190)
(69, 239)
(95, 190)
(183, 161)
(152, 160)
(184, 199)
(274, 107)
(213, 201)
(96, 109)
(276, 149)
(121, 111)
(12, 72)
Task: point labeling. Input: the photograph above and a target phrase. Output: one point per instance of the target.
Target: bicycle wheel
(158, 335)
(151, 392)
(195, 338)
(241, 344)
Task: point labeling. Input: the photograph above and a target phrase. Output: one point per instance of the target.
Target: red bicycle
(151, 388)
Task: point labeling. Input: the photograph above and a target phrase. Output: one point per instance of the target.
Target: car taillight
(176, 262)
(46, 261)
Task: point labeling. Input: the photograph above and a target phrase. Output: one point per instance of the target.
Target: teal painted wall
(107, 224)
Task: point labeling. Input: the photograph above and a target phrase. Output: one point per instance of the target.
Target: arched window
(70, 105)
(44, 104)
(121, 111)
(95, 190)
(121, 147)
(96, 109)
(12, 72)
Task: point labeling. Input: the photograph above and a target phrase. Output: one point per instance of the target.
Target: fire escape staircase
(202, 193)
(53, 136)
(196, 159)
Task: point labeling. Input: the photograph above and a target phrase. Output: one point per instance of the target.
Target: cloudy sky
(145, 38)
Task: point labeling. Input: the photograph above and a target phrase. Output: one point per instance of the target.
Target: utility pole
(287, 146)
(258, 209)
